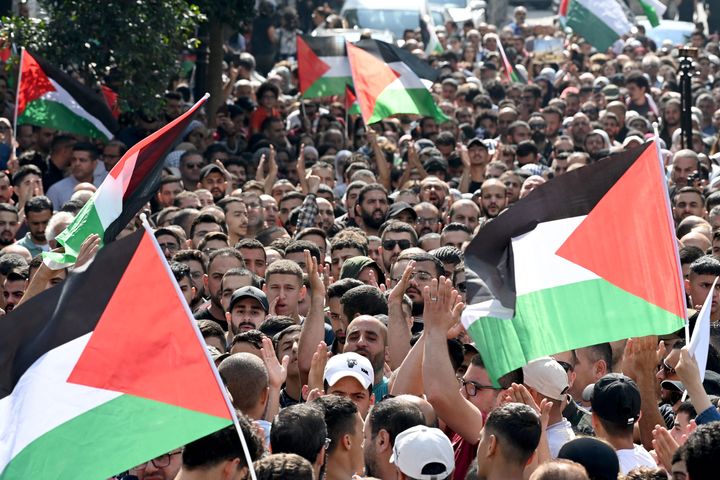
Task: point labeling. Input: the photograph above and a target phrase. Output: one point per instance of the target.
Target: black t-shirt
(204, 314)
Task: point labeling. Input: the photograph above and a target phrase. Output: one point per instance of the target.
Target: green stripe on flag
(82, 448)
(571, 316)
(411, 101)
(327, 86)
(50, 114)
(591, 27)
(85, 223)
(650, 13)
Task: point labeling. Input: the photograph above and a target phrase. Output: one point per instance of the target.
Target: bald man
(466, 212)
(493, 197)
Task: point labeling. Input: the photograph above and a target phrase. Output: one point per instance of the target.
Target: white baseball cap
(349, 364)
(547, 377)
(418, 447)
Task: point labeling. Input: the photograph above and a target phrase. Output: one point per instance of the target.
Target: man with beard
(428, 219)
(371, 208)
(466, 212)
(220, 261)
(247, 310)
(8, 224)
(82, 168)
(14, 287)
(433, 190)
(212, 178)
(385, 422)
(396, 237)
(579, 128)
(688, 201)
(195, 260)
(493, 197)
(337, 317)
(38, 211)
(367, 336)
(538, 126)
(513, 183)
(698, 284)
(255, 213)
(427, 267)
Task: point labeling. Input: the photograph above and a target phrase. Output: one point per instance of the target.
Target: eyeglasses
(159, 462)
(559, 151)
(196, 275)
(537, 126)
(471, 388)
(566, 366)
(390, 244)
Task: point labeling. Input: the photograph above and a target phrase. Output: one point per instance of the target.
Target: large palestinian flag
(600, 22)
(588, 257)
(389, 80)
(129, 185)
(49, 97)
(105, 371)
(323, 68)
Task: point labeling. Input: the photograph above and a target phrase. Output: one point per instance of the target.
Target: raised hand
(317, 286)
(277, 372)
(442, 303)
(316, 375)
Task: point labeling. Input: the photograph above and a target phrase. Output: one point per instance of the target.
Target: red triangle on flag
(310, 67)
(145, 345)
(350, 98)
(371, 76)
(34, 83)
(628, 244)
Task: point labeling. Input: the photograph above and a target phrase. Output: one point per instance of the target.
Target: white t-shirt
(558, 435)
(633, 458)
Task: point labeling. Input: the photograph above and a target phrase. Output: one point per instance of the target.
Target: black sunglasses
(390, 244)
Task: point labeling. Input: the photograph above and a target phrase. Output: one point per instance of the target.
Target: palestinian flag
(562, 12)
(105, 371)
(389, 80)
(600, 22)
(352, 107)
(429, 37)
(126, 189)
(323, 68)
(49, 97)
(588, 257)
(511, 72)
(654, 10)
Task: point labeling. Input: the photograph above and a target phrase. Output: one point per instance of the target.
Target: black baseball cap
(598, 458)
(397, 208)
(711, 383)
(249, 292)
(615, 398)
(477, 142)
(208, 169)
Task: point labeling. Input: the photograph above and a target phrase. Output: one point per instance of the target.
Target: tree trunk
(215, 72)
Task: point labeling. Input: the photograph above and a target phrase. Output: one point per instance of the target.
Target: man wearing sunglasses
(396, 238)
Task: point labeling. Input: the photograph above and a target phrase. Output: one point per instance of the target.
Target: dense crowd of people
(324, 259)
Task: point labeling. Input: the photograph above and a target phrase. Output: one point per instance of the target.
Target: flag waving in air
(600, 22)
(323, 68)
(389, 80)
(105, 371)
(588, 257)
(129, 185)
(49, 97)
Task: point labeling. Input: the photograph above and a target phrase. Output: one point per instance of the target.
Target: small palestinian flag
(429, 37)
(389, 80)
(105, 371)
(49, 97)
(511, 72)
(323, 68)
(588, 257)
(352, 107)
(126, 189)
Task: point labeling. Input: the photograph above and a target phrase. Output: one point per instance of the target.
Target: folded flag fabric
(104, 371)
(699, 344)
(600, 22)
(352, 107)
(323, 68)
(49, 97)
(130, 184)
(570, 265)
(429, 37)
(389, 80)
(654, 10)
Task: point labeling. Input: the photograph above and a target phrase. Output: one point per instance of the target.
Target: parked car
(353, 35)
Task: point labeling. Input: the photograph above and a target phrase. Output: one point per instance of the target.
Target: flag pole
(17, 91)
(220, 383)
(668, 210)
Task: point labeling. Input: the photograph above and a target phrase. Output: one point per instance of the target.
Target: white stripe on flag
(610, 13)
(700, 340)
(63, 97)
(109, 196)
(43, 400)
(534, 255)
(339, 66)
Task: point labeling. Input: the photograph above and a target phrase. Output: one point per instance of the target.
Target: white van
(395, 16)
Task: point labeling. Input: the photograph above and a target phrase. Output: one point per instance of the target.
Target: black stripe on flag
(327, 46)
(62, 313)
(489, 257)
(390, 53)
(94, 103)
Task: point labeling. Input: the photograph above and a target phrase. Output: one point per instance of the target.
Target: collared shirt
(33, 247)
